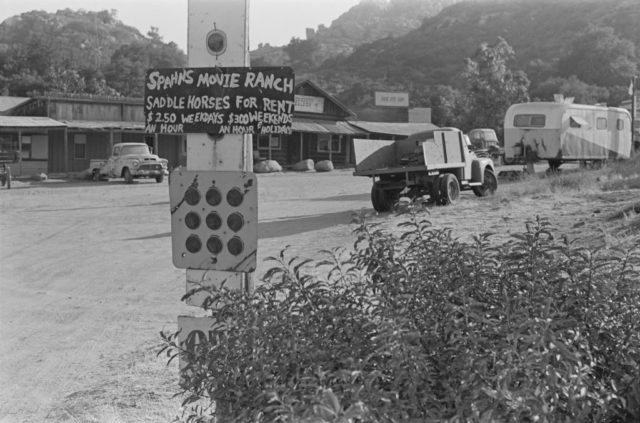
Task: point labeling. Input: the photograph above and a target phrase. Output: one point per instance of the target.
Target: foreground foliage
(423, 327)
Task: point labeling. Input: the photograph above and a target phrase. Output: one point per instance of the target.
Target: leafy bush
(419, 326)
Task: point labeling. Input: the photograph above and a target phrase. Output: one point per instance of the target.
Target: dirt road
(87, 282)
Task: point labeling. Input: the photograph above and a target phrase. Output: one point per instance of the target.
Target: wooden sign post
(219, 102)
(217, 37)
(223, 21)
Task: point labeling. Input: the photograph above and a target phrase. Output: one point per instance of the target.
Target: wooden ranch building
(61, 134)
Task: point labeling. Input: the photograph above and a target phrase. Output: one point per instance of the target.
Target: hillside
(368, 21)
(540, 32)
(401, 45)
(79, 52)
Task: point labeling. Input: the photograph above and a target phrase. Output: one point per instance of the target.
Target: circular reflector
(214, 245)
(213, 196)
(193, 244)
(216, 42)
(192, 196)
(213, 221)
(192, 220)
(235, 246)
(234, 197)
(235, 221)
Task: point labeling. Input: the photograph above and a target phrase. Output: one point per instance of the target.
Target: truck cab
(485, 143)
(133, 160)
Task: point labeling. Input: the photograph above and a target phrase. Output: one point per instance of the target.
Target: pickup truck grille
(150, 166)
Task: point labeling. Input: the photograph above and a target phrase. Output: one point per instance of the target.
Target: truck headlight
(164, 164)
(134, 164)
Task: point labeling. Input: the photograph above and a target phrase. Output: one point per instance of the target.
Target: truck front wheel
(449, 189)
(489, 186)
(383, 199)
(159, 178)
(126, 174)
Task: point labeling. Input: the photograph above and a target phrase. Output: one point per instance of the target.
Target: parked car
(484, 143)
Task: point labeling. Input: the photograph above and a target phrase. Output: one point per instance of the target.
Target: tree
(445, 103)
(582, 92)
(130, 62)
(599, 57)
(491, 86)
(302, 53)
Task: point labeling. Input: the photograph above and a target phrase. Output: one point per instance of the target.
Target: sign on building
(391, 99)
(310, 104)
(233, 100)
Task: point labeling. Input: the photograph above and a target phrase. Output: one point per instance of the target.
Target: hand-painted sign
(234, 100)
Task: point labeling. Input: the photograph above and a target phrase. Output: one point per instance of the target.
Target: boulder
(267, 166)
(304, 165)
(324, 166)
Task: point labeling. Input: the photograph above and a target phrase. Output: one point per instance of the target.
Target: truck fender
(477, 171)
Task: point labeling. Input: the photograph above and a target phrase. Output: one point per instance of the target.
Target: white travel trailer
(562, 132)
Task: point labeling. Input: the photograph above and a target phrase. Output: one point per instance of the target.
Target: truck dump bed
(429, 150)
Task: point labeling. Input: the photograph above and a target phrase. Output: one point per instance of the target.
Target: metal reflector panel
(214, 220)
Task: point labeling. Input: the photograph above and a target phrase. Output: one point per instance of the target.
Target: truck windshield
(134, 149)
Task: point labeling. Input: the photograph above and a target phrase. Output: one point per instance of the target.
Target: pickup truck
(435, 165)
(129, 160)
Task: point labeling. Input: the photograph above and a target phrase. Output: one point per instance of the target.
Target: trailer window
(620, 124)
(601, 123)
(537, 121)
(577, 122)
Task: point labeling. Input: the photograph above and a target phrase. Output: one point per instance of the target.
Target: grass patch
(138, 388)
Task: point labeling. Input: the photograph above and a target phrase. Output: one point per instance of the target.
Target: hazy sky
(270, 21)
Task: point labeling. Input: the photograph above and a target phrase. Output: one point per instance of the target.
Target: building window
(620, 125)
(266, 142)
(536, 121)
(26, 147)
(80, 146)
(601, 123)
(325, 139)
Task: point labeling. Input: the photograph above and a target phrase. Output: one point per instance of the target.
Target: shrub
(419, 326)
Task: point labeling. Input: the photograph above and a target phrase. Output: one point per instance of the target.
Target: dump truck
(434, 165)
(562, 132)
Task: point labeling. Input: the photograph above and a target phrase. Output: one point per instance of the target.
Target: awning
(578, 121)
(393, 128)
(304, 125)
(33, 122)
(102, 125)
(319, 126)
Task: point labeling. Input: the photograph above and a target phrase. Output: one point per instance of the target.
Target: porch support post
(20, 150)
(66, 150)
(301, 147)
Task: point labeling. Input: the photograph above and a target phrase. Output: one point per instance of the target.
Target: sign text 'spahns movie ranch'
(234, 100)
